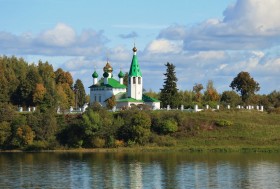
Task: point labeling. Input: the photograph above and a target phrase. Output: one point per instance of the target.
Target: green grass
(250, 131)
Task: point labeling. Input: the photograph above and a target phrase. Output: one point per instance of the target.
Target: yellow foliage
(25, 135)
(39, 92)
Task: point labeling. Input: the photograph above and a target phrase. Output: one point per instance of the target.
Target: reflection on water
(140, 170)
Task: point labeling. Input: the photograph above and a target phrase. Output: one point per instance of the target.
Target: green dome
(121, 75)
(95, 75)
(105, 74)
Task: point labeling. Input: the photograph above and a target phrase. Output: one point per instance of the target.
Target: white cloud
(61, 40)
(258, 16)
(164, 46)
(248, 24)
(61, 36)
(208, 55)
(174, 32)
(200, 52)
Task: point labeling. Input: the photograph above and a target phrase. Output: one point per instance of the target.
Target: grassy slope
(251, 131)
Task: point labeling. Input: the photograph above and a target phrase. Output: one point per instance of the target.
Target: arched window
(134, 80)
(139, 80)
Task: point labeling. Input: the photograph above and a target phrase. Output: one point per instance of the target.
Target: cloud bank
(246, 39)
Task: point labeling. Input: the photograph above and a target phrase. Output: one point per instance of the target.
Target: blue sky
(205, 40)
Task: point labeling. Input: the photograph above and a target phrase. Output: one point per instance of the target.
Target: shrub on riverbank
(228, 129)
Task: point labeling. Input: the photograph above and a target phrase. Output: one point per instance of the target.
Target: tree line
(243, 92)
(26, 85)
(39, 85)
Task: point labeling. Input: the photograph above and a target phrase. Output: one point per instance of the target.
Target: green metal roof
(146, 98)
(134, 67)
(122, 97)
(129, 100)
(112, 83)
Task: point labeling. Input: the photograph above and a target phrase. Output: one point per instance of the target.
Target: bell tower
(135, 82)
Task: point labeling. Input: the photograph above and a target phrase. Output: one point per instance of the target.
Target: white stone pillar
(196, 108)
(228, 107)
(29, 109)
(238, 107)
(207, 107)
(261, 109)
(20, 109)
(58, 110)
(168, 107)
(182, 107)
(218, 107)
(114, 108)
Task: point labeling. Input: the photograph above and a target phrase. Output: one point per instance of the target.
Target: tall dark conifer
(80, 93)
(169, 92)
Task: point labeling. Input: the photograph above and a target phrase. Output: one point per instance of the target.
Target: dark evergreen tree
(80, 93)
(169, 92)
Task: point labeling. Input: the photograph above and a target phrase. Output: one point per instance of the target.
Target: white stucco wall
(98, 95)
(135, 90)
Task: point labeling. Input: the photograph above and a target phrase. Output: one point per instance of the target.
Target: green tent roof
(134, 67)
(112, 83)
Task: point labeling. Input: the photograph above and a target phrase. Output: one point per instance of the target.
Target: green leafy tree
(186, 98)
(80, 93)
(211, 93)
(169, 126)
(274, 98)
(169, 92)
(111, 102)
(63, 77)
(44, 124)
(245, 84)
(136, 127)
(152, 94)
(125, 79)
(92, 122)
(48, 77)
(197, 88)
(7, 112)
(230, 98)
(5, 132)
(73, 133)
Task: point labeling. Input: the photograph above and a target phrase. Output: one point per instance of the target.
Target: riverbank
(221, 131)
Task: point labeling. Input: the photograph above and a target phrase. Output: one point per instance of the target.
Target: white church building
(126, 96)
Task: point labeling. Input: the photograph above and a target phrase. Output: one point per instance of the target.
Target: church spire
(134, 67)
(135, 84)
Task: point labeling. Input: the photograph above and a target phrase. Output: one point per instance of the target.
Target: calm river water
(140, 170)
